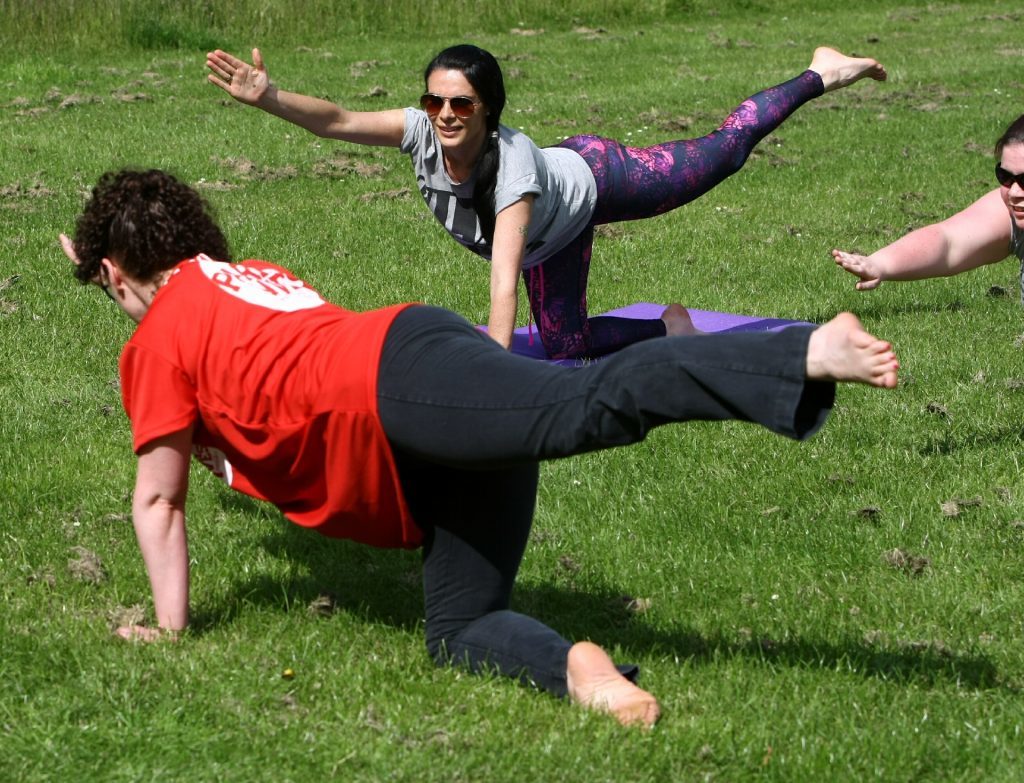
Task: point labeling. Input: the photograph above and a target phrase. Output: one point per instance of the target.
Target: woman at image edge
(532, 211)
(401, 427)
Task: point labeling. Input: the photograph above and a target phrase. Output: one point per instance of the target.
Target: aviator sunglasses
(1006, 178)
(462, 105)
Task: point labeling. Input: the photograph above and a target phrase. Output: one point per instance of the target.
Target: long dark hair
(149, 221)
(1012, 135)
(483, 72)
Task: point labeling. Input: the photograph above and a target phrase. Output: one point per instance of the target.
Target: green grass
(782, 643)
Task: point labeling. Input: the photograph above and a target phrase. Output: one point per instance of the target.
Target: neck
(460, 164)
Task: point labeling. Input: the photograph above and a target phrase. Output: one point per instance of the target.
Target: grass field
(843, 609)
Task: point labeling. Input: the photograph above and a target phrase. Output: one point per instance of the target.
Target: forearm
(160, 530)
(919, 255)
(502, 320)
(316, 115)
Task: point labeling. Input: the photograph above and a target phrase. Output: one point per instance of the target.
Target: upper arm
(162, 473)
(511, 228)
(376, 128)
(977, 235)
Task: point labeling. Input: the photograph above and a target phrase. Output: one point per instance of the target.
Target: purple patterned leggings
(634, 183)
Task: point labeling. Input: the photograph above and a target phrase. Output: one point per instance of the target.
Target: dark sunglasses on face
(462, 105)
(1006, 178)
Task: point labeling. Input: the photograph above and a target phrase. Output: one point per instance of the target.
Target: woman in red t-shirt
(404, 426)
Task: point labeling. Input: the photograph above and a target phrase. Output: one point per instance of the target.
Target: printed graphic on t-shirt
(455, 214)
(274, 289)
(214, 459)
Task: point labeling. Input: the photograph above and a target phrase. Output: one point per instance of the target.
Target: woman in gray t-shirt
(532, 211)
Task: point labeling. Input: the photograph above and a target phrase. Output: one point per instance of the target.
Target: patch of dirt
(246, 169)
(911, 564)
(344, 165)
(386, 194)
(216, 185)
(323, 605)
(121, 616)
(23, 190)
(86, 566)
(635, 605)
(526, 32)
(569, 564)
(75, 99)
(954, 507)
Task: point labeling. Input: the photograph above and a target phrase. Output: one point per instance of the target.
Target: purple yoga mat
(705, 320)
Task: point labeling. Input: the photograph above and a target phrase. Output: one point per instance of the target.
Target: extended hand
(859, 265)
(243, 82)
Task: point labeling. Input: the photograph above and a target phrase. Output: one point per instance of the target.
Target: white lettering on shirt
(264, 287)
(214, 459)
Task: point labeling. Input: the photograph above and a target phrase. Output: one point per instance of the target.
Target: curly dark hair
(148, 221)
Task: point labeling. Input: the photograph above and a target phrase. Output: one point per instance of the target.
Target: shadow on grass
(384, 586)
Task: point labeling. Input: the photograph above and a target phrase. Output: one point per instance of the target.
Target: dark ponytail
(483, 72)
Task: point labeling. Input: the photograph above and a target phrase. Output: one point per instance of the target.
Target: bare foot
(595, 683)
(678, 322)
(842, 350)
(837, 70)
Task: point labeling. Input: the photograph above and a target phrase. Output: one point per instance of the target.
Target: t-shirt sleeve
(517, 174)
(158, 397)
(416, 127)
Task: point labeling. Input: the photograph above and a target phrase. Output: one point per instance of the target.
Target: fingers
(69, 249)
(257, 59)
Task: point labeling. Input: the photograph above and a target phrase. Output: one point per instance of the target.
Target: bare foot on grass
(595, 683)
(838, 70)
(678, 322)
(842, 350)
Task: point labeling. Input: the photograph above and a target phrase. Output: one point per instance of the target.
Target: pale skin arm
(250, 84)
(158, 513)
(971, 238)
(511, 227)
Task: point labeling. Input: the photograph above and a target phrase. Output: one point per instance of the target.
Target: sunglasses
(462, 105)
(1006, 178)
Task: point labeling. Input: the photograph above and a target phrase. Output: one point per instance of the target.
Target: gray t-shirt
(559, 178)
(1017, 248)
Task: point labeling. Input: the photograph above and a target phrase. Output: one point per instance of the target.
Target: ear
(112, 270)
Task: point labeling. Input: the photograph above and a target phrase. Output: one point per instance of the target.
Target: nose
(446, 112)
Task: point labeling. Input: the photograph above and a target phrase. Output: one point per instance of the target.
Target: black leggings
(469, 423)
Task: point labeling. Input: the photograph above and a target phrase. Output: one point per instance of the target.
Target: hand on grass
(69, 249)
(243, 82)
(862, 266)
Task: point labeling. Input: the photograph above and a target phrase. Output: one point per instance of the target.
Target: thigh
(557, 289)
(476, 525)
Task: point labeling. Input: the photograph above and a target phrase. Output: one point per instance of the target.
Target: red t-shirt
(281, 389)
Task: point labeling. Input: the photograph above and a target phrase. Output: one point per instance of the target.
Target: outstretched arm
(511, 227)
(971, 238)
(250, 84)
(158, 512)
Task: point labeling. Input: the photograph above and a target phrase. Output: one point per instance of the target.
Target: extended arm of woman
(158, 513)
(971, 238)
(511, 227)
(250, 84)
